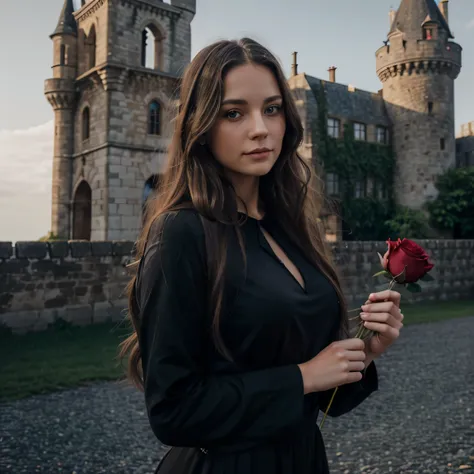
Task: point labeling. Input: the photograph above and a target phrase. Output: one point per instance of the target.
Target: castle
(116, 71)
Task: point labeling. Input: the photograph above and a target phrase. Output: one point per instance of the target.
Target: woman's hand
(339, 363)
(381, 314)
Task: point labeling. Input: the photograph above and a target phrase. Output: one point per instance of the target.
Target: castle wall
(424, 141)
(129, 20)
(119, 155)
(418, 88)
(84, 282)
(134, 154)
(95, 14)
(92, 95)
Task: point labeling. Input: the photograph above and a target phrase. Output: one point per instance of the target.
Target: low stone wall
(453, 271)
(84, 282)
(76, 281)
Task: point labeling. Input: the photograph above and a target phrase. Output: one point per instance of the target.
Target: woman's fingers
(384, 307)
(389, 295)
(383, 329)
(385, 318)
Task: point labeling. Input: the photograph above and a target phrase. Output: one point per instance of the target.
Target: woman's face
(248, 134)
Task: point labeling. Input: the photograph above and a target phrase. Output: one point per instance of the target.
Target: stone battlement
(84, 282)
(64, 249)
(418, 57)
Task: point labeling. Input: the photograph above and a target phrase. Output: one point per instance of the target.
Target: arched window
(91, 48)
(154, 118)
(152, 48)
(82, 212)
(85, 123)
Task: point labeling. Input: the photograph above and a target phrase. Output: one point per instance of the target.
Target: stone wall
(84, 282)
(418, 88)
(78, 281)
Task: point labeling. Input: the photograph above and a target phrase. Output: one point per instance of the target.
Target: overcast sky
(344, 33)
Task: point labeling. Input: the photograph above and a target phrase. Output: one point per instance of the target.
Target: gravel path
(421, 420)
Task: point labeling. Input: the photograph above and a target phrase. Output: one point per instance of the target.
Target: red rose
(406, 254)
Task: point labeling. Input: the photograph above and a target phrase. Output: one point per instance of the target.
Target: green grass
(68, 356)
(419, 313)
(58, 358)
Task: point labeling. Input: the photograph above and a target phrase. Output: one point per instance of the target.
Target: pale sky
(344, 33)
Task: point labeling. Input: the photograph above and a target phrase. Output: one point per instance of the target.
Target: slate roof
(413, 13)
(357, 106)
(66, 24)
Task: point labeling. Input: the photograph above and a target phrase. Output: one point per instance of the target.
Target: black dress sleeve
(351, 395)
(186, 405)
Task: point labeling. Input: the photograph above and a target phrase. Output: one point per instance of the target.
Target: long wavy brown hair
(289, 192)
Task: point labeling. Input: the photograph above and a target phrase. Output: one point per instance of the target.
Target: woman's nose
(258, 127)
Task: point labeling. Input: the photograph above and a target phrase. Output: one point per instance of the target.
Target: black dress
(249, 416)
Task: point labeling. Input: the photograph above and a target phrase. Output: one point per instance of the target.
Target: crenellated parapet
(402, 57)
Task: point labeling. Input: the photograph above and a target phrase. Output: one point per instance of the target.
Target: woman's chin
(258, 169)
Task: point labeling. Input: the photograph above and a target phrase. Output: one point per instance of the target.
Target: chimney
(294, 66)
(332, 74)
(391, 16)
(444, 8)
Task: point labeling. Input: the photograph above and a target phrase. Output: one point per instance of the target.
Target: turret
(182, 57)
(418, 66)
(186, 5)
(60, 92)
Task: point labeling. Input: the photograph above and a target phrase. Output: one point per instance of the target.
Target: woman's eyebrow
(244, 102)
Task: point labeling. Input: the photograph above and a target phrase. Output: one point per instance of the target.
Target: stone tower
(418, 66)
(60, 91)
(116, 71)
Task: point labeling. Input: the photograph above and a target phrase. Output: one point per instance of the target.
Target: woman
(241, 327)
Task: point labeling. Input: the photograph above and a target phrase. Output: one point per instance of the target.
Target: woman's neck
(247, 190)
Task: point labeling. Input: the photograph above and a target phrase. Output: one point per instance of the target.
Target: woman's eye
(273, 109)
(232, 114)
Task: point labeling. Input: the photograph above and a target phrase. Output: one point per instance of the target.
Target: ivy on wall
(354, 161)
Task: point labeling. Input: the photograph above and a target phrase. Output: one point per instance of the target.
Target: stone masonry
(102, 89)
(417, 67)
(84, 282)
(99, 73)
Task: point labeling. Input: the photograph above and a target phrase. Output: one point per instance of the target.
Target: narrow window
(85, 123)
(332, 184)
(360, 131)
(91, 48)
(430, 107)
(334, 127)
(370, 186)
(152, 48)
(154, 122)
(359, 189)
(442, 143)
(62, 55)
(428, 33)
(382, 135)
(381, 191)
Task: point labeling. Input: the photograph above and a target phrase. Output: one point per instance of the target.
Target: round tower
(418, 66)
(182, 55)
(60, 92)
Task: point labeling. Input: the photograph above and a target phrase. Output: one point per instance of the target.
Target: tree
(453, 209)
(409, 223)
